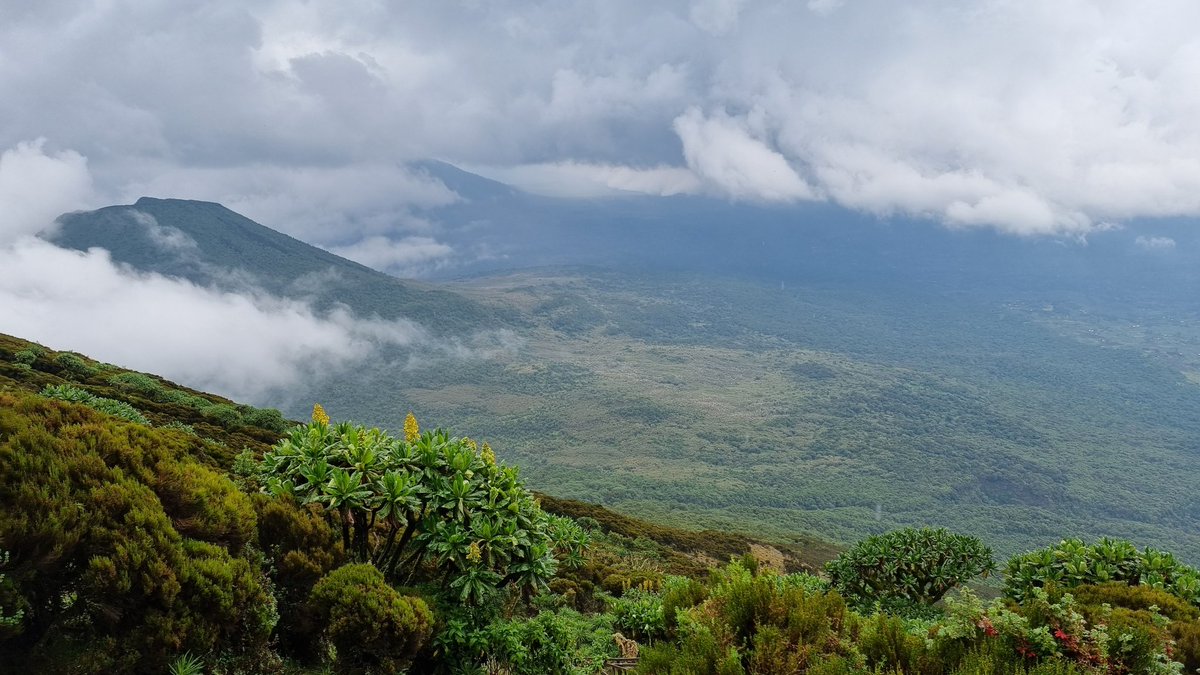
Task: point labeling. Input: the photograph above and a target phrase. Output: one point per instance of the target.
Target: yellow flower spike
(474, 554)
(471, 444)
(319, 416)
(412, 432)
(488, 455)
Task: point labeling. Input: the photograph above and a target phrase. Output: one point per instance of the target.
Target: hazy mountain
(1139, 262)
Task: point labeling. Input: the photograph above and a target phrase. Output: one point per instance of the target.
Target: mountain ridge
(211, 245)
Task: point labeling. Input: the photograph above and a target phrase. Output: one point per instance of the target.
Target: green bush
(638, 614)
(757, 623)
(560, 641)
(889, 646)
(437, 502)
(1073, 563)
(108, 406)
(913, 565)
(300, 548)
(373, 628)
(139, 383)
(680, 594)
(26, 356)
(89, 514)
(73, 366)
(223, 414)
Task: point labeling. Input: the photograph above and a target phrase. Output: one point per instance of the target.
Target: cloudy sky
(1034, 118)
(1024, 115)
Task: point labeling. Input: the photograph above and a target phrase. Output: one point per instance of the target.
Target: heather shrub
(103, 578)
(373, 628)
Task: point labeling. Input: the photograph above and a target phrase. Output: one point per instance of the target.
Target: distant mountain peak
(469, 186)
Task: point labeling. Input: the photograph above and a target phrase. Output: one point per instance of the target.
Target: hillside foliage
(155, 543)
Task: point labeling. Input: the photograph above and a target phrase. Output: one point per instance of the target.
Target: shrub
(639, 615)
(373, 628)
(434, 499)
(73, 366)
(889, 646)
(300, 548)
(680, 594)
(1073, 563)
(559, 641)
(266, 418)
(139, 383)
(98, 568)
(26, 356)
(757, 623)
(223, 414)
(915, 565)
(108, 406)
(1118, 594)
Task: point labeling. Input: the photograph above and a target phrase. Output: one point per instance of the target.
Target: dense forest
(149, 528)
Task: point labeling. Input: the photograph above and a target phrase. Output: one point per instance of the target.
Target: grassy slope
(820, 413)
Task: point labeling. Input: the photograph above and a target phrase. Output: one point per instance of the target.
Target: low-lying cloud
(243, 346)
(405, 257)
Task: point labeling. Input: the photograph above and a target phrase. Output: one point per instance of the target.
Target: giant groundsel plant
(427, 506)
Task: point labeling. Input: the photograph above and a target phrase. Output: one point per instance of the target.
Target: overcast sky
(1025, 115)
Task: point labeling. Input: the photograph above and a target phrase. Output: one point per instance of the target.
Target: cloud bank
(1026, 116)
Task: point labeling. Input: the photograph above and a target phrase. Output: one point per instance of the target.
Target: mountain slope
(209, 244)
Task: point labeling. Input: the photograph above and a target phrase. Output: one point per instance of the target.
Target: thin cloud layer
(406, 257)
(235, 344)
(1030, 117)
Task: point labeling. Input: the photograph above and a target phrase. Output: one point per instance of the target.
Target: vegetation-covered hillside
(1039, 403)
(145, 527)
(831, 412)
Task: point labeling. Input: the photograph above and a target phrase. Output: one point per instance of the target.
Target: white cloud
(36, 187)
(1155, 243)
(240, 345)
(409, 256)
(247, 345)
(315, 204)
(583, 180)
(169, 239)
(722, 152)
